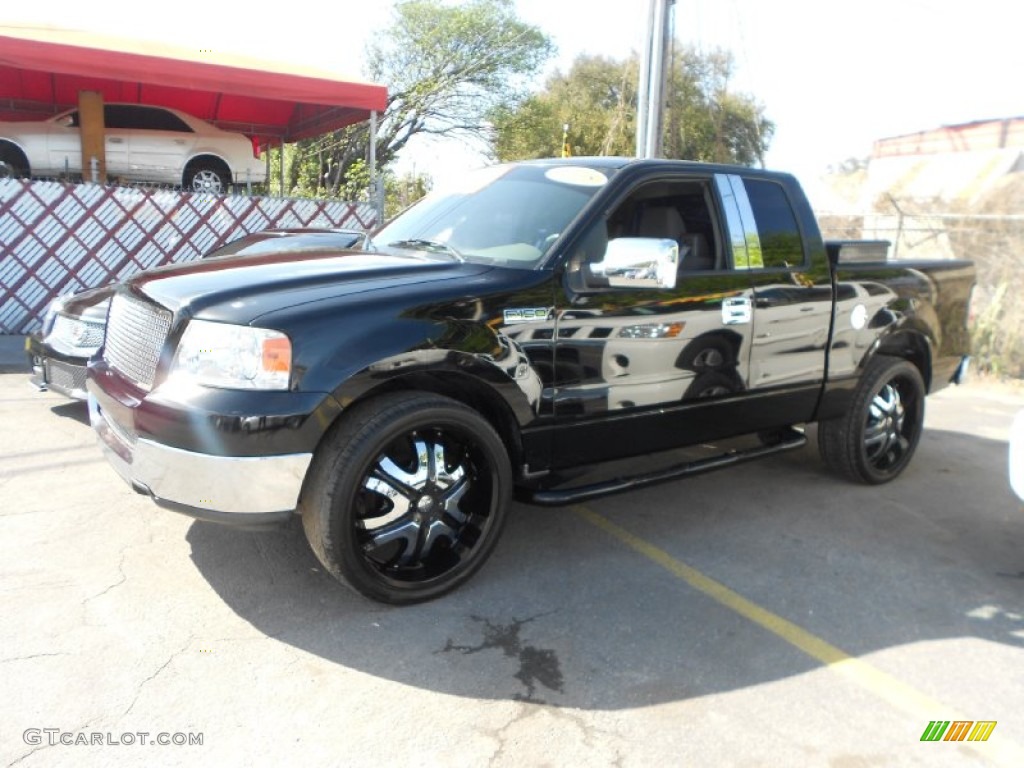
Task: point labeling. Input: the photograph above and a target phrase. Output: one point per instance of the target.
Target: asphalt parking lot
(767, 615)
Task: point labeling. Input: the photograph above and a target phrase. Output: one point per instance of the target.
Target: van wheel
(407, 498)
(875, 440)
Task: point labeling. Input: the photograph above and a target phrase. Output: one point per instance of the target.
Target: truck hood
(239, 289)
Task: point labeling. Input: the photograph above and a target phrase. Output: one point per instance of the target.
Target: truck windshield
(503, 215)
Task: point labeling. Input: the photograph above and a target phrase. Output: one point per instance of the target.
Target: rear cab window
(777, 229)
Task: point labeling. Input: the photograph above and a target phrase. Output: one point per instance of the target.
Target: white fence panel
(57, 237)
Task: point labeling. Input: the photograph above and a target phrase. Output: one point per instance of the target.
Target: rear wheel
(407, 499)
(876, 439)
(206, 177)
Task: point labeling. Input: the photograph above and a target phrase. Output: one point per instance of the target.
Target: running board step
(560, 497)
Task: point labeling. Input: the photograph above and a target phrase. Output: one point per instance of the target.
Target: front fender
(502, 372)
(352, 362)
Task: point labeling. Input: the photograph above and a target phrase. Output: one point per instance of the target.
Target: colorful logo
(958, 730)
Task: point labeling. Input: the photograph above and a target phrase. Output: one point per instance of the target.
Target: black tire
(206, 177)
(407, 497)
(876, 438)
(13, 164)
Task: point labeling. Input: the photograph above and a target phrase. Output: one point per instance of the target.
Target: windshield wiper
(434, 246)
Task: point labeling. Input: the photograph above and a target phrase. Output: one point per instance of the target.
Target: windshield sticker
(577, 175)
(527, 315)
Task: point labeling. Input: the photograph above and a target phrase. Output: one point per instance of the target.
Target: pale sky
(832, 76)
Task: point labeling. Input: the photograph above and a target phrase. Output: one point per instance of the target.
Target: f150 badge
(527, 315)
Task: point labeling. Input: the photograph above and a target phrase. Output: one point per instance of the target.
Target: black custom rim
(892, 422)
(424, 506)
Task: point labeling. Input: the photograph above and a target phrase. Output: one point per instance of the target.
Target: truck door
(792, 300)
(638, 370)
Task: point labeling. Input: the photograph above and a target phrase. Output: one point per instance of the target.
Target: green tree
(401, 192)
(446, 67)
(597, 98)
(704, 119)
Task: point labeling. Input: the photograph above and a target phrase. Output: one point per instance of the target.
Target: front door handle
(737, 311)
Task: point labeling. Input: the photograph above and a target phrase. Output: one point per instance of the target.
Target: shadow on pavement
(73, 409)
(566, 614)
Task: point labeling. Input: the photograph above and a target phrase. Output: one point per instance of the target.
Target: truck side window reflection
(781, 244)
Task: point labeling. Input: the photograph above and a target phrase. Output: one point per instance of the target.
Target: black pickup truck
(503, 333)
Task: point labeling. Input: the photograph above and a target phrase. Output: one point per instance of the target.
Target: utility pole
(651, 86)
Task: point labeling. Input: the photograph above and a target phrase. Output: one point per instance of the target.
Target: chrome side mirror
(639, 262)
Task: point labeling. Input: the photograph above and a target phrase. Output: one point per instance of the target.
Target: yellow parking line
(883, 685)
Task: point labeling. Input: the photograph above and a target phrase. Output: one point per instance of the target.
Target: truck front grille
(136, 331)
(64, 378)
(76, 333)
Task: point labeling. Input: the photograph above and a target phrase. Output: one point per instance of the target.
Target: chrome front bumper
(60, 377)
(230, 489)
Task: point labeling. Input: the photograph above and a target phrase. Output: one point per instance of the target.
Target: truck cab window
(781, 243)
(678, 211)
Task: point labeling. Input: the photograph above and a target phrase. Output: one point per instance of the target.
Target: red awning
(43, 69)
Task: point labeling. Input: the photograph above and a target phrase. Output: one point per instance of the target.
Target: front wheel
(876, 438)
(12, 163)
(407, 498)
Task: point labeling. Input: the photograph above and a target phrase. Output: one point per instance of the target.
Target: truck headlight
(233, 356)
